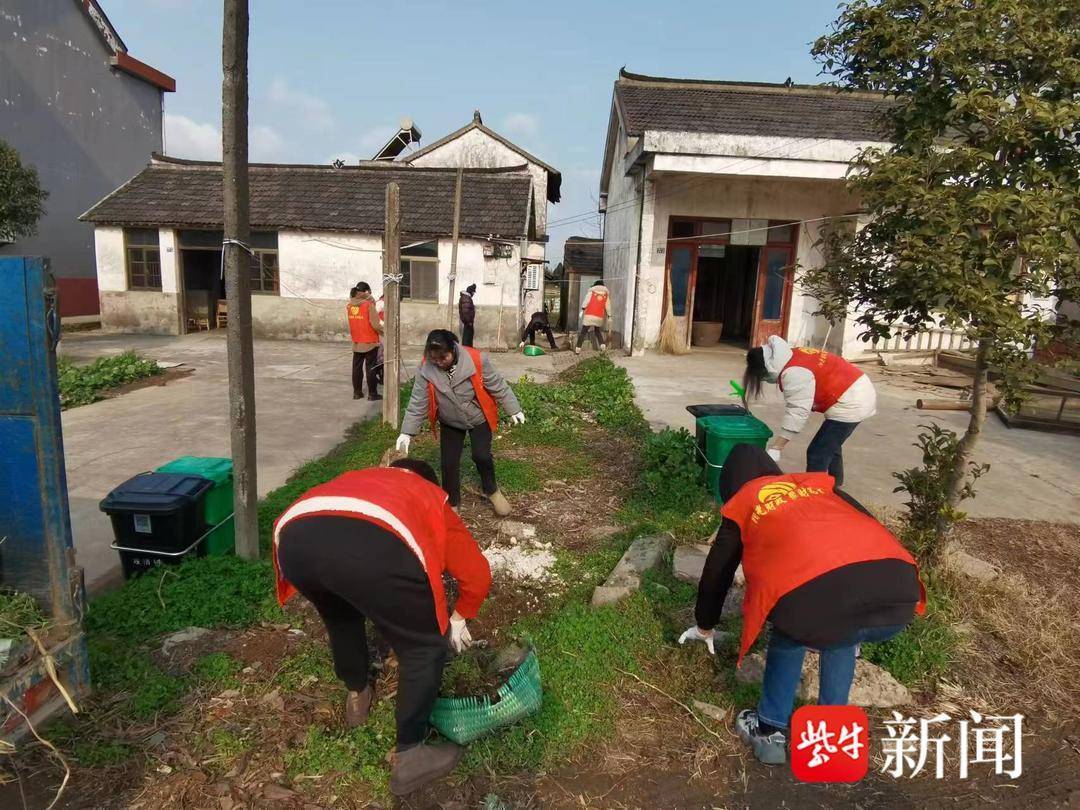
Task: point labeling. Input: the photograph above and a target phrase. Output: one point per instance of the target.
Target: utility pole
(453, 250)
(392, 310)
(236, 258)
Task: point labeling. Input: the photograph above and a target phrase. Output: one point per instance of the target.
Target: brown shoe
(417, 766)
(498, 500)
(357, 706)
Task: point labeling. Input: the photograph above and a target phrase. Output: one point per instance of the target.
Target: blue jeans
(783, 669)
(825, 453)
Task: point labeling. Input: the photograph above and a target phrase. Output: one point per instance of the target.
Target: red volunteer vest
(360, 327)
(833, 375)
(596, 305)
(794, 528)
(486, 401)
(397, 500)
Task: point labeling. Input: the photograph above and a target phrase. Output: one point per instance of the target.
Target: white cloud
(521, 123)
(187, 138)
(375, 138)
(307, 110)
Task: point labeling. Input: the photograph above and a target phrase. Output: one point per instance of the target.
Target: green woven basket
(465, 719)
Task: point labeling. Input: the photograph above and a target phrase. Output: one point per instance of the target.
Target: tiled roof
(795, 111)
(584, 255)
(171, 192)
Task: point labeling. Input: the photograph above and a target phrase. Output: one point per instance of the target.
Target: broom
(670, 341)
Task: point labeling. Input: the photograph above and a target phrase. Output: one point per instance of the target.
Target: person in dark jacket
(467, 314)
(372, 545)
(538, 322)
(823, 571)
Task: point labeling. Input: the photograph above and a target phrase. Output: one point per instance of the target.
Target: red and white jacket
(415, 510)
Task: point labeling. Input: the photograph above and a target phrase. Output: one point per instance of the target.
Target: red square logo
(829, 744)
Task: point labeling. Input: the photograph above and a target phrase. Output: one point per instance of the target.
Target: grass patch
(310, 664)
(226, 746)
(581, 651)
(353, 757)
(218, 670)
(81, 385)
(923, 652)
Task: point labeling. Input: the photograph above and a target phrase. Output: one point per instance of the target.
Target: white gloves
(403, 442)
(695, 634)
(518, 418)
(460, 637)
(774, 454)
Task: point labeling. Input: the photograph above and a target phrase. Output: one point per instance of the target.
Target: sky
(332, 78)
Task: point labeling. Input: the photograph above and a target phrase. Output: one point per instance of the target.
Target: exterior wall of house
(621, 223)
(723, 197)
(85, 127)
(316, 271)
(478, 150)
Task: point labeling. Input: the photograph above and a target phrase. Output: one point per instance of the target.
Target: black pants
(451, 443)
(530, 335)
(595, 335)
(352, 570)
(359, 372)
(826, 450)
(466, 334)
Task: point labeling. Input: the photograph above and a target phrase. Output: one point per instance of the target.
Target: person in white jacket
(812, 380)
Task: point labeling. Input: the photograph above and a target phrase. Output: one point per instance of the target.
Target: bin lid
(736, 427)
(218, 470)
(155, 492)
(718, 409)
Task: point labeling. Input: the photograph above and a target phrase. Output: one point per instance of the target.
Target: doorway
(729, 283)
(203, 287)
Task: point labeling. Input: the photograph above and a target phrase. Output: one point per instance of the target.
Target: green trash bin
(217, 503)
(718, 434)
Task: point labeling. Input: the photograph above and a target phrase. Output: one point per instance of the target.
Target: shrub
(670, 475)
(929, 515)
(81, 385)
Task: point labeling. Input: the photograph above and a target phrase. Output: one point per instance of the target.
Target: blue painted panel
(16, 395)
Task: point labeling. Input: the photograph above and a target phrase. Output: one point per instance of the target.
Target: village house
(583, 264)
(713, 192)
(317, 230)
(82, 111)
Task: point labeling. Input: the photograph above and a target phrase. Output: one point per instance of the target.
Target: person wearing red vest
(818, 567)
(595, 311)
(812, 380)
(373, 545)
(365, 327)
(458, 391)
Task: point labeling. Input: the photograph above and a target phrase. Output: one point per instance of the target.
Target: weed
(218, 670)
(18, 612)
(311, 663)
(608, 393)
(81, 385)
(226, 745)
(101, 754)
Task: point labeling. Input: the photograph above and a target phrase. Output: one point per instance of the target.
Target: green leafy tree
(22, 199)
(972, 214)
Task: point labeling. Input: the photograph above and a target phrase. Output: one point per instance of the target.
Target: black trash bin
(157, 518)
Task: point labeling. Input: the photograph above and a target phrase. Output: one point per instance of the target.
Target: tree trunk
(971, 437)
(235, 258)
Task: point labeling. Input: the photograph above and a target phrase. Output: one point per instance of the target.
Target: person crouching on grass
(457, 389)
(374, 544)
(819, 567)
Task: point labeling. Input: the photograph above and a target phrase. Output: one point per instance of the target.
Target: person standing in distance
(365, 327)
(467, 314)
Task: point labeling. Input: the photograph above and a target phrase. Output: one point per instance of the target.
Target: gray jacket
(456, 396)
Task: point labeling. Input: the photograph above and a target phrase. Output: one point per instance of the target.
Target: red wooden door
(772, 303)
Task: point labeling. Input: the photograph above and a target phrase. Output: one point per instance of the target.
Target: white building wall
(478, 150)
(622, 219)
(109, 254)
(171, 273)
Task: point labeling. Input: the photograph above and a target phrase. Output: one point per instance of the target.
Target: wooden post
(453, 251)
(392, 309)
(241, 361)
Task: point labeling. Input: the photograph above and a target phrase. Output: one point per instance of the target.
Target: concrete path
(1032, 475)
(304, 406)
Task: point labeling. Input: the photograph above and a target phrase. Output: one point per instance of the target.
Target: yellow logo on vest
(779, 494)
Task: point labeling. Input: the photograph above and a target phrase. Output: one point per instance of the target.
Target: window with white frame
(143, 257)
(420, 272)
